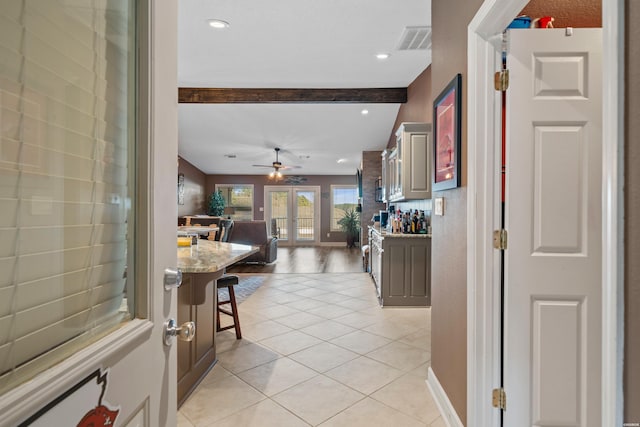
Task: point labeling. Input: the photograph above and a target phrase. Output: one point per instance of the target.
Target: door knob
(172, 278)
(186, 332)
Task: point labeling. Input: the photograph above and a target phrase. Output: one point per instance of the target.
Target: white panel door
(553, 217)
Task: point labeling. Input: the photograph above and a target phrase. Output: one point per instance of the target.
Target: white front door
(552, 356)
(296, 211)
(87, 171)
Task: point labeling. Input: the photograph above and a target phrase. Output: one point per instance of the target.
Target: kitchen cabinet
(384, 185)
(401, 268)
(409, 163)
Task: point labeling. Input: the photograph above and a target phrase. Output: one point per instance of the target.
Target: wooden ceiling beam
(194, 95)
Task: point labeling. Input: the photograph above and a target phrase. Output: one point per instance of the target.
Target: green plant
(350, 225)
(216, 204)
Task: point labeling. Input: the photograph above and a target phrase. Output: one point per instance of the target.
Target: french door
(296, 211)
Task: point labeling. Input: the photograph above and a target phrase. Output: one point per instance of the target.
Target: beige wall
(448, 263)
(194, 195)
(418, 107)
(632, 215)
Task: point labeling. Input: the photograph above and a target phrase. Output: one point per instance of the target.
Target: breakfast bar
(201, 264)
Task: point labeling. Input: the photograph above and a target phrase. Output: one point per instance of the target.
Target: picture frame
(181, 189)
(447, 112)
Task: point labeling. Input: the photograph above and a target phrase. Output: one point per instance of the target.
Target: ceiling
(293, 44)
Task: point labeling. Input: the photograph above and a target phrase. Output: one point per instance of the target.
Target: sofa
(255, 233)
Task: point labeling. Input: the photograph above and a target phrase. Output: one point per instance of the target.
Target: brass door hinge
(499, 398)
(500, 239)
(501, 80)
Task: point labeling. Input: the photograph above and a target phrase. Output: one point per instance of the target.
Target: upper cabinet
(408, 166)
(384, 185)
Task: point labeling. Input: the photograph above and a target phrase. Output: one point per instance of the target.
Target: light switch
(438, 206)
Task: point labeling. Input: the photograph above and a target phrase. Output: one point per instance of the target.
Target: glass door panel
(305, 215)
(279, 210)
(296, 212)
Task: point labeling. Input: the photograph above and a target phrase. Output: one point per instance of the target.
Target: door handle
(186, 332)
(172, 278)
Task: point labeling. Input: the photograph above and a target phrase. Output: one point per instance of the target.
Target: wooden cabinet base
(197, 357)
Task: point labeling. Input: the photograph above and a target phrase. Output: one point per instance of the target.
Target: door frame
(483, 327)
(316, 211)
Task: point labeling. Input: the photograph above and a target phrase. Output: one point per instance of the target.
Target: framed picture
(181, 189)
(446, 136)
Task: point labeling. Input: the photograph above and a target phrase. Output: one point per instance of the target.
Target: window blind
(66, 134)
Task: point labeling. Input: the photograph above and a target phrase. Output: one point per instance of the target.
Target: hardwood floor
(308, 259)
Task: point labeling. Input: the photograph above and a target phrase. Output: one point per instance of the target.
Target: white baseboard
(449, 415)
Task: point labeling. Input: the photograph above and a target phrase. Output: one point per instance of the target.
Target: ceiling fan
(277, 166)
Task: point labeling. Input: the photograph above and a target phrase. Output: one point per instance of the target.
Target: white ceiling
(292, 44)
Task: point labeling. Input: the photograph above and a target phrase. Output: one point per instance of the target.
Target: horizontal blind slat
(30, 346)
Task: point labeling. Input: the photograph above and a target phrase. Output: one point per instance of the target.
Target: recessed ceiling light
(382, 56)
(218, 24)
(364, 112)
(341, 160)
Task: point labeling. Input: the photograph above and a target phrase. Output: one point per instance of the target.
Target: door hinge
(501, 80)
(499, 398)
(500, 239)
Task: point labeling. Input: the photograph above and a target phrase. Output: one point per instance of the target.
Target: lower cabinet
(401, 269)
(197, 299)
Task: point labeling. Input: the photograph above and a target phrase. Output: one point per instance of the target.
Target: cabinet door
(385, 179)
(406, 272)
(418, 166)
(392, 174)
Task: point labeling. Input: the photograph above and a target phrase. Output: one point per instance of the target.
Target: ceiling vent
(415, 38)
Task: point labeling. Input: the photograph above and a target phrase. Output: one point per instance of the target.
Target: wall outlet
(328, 234)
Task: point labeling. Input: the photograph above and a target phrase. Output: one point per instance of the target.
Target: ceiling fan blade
(289, 167)
(263, 166)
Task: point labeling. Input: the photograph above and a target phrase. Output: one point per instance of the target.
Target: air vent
(415, 38)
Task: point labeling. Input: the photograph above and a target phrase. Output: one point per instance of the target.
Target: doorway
(296, 213)
(483, 154)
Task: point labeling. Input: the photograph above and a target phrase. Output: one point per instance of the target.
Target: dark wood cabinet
(197, 301)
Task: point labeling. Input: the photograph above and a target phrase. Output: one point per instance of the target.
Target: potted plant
(216, 204)
(350, 225)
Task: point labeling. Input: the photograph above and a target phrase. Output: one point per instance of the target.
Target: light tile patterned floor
(318, 351)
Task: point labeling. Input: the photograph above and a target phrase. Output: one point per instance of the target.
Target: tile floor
(317, 350)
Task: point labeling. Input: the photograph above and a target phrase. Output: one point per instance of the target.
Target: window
(238, 201)
(343, 198)
(67, 179)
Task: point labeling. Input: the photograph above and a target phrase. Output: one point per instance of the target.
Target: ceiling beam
(195, 95)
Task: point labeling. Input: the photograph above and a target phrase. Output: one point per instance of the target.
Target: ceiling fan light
(279, 174)
(271, 175)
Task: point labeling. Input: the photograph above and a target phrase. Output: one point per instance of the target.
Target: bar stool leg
(234, 310)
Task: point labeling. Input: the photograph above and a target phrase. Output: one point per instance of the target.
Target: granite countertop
(385, 233)
(210, 256)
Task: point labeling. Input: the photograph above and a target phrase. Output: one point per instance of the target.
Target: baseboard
(449, 415)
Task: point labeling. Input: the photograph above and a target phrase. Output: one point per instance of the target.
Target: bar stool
(227, 281)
